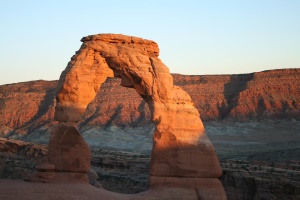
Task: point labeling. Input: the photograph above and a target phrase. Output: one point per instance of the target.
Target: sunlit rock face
(181, 147)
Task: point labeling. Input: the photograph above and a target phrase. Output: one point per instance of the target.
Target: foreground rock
(67, 191)
(68, 151)
(125, 172)
(261, 180)
(68, 157)
(18, 159)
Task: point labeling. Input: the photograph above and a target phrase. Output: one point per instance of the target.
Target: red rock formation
(275, 94)
(180, 148)
(263, 95)
(68, 157)
(68, 150)
(26, 106)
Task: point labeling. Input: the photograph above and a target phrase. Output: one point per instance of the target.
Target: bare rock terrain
(18, 158)
(127, 172)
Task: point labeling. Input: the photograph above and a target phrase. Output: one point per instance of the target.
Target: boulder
(68, 151)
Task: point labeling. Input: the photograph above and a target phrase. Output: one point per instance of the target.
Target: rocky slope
(18, 158)
(26, 107)
(126, 172)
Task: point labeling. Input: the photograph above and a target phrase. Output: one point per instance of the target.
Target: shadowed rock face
(181, 147)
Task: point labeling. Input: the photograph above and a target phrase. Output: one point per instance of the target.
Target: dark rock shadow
(142, 119)
(88, 119)
(261, 108)
(232, 90)
(285, 110)
(115, 116)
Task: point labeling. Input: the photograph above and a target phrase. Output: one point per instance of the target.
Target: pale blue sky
(39, 37)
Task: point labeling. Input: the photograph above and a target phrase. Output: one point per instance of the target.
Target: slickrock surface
(70, 191)
(125, 172)
(29, 106)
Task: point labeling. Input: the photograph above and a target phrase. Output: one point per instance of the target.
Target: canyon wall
(274, 94)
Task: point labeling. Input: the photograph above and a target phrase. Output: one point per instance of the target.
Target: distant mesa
(28, 107)
(182, 155)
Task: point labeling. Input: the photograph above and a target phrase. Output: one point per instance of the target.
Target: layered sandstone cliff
(275, 94)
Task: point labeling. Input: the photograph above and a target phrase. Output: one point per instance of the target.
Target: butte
(182, 159)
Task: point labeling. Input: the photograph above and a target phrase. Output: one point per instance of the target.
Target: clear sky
(38, 37)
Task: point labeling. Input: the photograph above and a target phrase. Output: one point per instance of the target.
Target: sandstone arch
(181, 147)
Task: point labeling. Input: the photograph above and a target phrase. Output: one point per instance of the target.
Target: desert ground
(260, 160)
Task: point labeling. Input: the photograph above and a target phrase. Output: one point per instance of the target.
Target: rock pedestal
(68, 151)
(68, 157)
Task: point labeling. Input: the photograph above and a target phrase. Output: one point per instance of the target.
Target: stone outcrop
(125, 172)
(68, 157)
(268, 95)
(67, 149)
(18, 158)
(182, 154)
